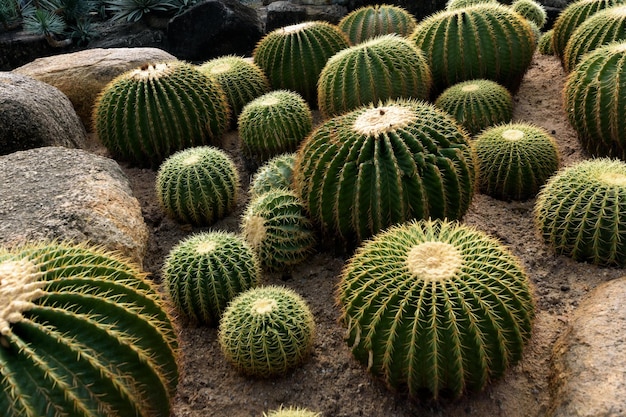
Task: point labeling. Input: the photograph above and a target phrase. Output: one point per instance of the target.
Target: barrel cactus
(477, 104)
(277, 229)
(146, 114)
(267, 331)
(437, 307)
(378, 165)
(82, 333)
(531, 10)
(292, 412)
(371, 21)
(198, 185)
(514, 160)
(502, 54)
(205, 271)
(580, 210)
(460, 4)
(275, 173)
(545, 46)
(292, 57)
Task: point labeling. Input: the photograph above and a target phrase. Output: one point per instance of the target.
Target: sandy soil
(331, 381)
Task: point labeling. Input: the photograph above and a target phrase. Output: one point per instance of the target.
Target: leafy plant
(10, 15)
(134, 10)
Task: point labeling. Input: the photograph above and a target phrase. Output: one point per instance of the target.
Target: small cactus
(198, 185)
(382, 68)
(146, 114)
(82, 333)
(371, 21)
(292, 412)
(267, 331)
(514, 160)
(531, 10)
(275, 173)
(580, 210)
(204, 272)
(275, 226)
(545, 46)
(477, 104)
(461, 4)
(435, 306)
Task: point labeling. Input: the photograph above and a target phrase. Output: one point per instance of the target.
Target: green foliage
(545, 45)
(146, 114)
(275, 173)
(292, 412)
(43, 22)
(198, 185)
(514, 160)
(477, 104)
(82, 333)
(531, 10)
(134, 10)
(266, 331)
(9, 13)
(461, 4)
(579, 212)
(371, 21)
(437, 307)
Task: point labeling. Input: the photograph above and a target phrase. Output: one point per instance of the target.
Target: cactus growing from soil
(477, 104)
(82, 333)
(267, 331)
(514, 160)
(531, 10)
(277, 229)
(371, 21)
(292, 57)
(146, 114)
(545, 46)
(435, 306)
(378, 165)
(580, 210)
(205, 271)
(382, 68)
(198, 185)
(292, 412)
(275, 173)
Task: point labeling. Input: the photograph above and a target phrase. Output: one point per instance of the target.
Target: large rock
(57, 193)
(589, 359)
(34, 114)
(82, 75)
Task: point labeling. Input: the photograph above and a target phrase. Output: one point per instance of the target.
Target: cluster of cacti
(382, 68)
(502, 54)
(146, 114)
(531, 10)
(370, 21)
(240, 78)
(275, 173)
(274, 123)
(580, 210)
(514, 160)
(545, 46)
(292, 57)
(266, 331)
(437, 307)
(379, 165)
(595, 101)
(477, 104)
(277, 229)
(82, 333)
(292, 412)
(198, 185)
(204, 272)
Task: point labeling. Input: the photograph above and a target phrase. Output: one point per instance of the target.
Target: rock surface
(82, 75)
(56, 193)
(589, 359)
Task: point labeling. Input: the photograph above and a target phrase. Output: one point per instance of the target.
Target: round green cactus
(277, 229)
(275, 173)
(385, 67)
(274, 123)
(477, 104)
(204, 272)
(531, 10)
(461, 4)
(146, 114)
(380, 165)
(198, 185)
(595, 101)
(292, 57)
(514, 160)
(241, 79)
(292, 412)
(267, 331)
(82, 333)
(371, 21)
(502, 54)
(435, 306)
(545, 46)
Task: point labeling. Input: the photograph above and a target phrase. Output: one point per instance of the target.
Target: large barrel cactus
(82, 333)
(292, 57)
(459, 47)
(378, 165)
(146, 114)
(385, 67)
(437, 307)
(371, 21)
(580, 210)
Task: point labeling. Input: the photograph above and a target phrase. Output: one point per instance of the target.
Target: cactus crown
(460, 4)
(292, 412)
(371, 21)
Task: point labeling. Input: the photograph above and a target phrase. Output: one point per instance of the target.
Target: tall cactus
(371, 21)
(82, 333)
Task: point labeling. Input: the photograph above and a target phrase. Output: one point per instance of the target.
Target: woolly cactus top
(383, 119)
(19, 286)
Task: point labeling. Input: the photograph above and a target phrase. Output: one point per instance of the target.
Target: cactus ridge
(531, 10)
(545, 46)
(371, 21)
(275, 173)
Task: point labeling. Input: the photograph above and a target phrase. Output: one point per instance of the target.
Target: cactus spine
(461, 4)
(435, 306)
(372, 21)
(275, 173)
(545, 46)
(292, 412)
